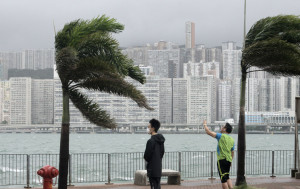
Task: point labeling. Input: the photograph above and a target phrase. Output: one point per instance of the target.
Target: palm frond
(91, 67)
(97, 44)
(105, 49)
(86, 28)
(135, 73)
(65, 62)
(273, 27)
(63, 37)
(114, 84)
(90, 110)
(275, 56)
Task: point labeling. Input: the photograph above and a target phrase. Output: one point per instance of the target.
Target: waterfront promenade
(257, 183)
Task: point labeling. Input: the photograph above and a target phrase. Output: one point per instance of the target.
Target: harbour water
(119, 143)
(92, 154)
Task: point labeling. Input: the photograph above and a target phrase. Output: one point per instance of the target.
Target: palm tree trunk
(64, 143)
(241, 180)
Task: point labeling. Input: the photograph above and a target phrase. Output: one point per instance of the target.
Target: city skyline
(30, 24)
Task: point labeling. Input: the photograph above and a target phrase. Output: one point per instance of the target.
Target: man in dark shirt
(154, 153)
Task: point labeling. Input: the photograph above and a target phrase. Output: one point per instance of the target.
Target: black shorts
(224, 169)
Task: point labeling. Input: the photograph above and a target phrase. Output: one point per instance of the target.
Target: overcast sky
(28, 24)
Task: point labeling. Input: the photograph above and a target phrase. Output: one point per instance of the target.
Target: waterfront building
(5, 101)
(236, 92)
(252, 95)
(173, 100)
(123, 110)
(224, 100)
(201, 99)
(42, 101)
(269, 95)
(165, 100)
(261, 117)
(20, 100)
(288, 88)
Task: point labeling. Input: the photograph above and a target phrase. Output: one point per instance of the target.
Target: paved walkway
(261, 182)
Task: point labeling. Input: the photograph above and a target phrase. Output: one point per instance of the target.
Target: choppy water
(92, 166)
(111, 143)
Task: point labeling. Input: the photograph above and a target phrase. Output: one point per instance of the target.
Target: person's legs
(154, 182)
(225, 185)
(151, 182)
(229, 183)
(158, 182)
(224, 169)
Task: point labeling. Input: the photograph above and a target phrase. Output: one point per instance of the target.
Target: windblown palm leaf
(274, 56)
(274, 42)
(87, 57)
(91, 110)
(272, 45)
(112, 83)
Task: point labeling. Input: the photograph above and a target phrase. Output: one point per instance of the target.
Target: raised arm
(209, 132)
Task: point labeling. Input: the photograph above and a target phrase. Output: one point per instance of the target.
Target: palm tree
(272, 45)
(87, 57)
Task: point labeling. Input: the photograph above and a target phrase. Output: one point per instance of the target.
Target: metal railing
(20, 169)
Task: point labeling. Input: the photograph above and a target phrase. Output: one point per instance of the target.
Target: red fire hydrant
(47, 172)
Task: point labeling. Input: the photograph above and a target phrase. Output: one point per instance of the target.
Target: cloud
(29, 24)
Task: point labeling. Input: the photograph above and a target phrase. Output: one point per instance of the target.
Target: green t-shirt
(225, 146)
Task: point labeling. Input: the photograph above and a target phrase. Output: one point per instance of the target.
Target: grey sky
(28, 24)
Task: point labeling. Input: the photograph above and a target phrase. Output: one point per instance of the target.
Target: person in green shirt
(225, 152)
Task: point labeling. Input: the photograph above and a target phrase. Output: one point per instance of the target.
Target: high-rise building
(179, 104)
(20, 100)
(139, 55)
(1, 103)
(173, 69)
(165, 100)
(229, 45)
(213, 55)
(173, 100)
(232, 64)
(9, 60)
(236, 93)
(28, 59)
(42, 101)
(201, 69)
(159, 60)
(5, 101)
(185, 55)
(200, 55)
(201, 100)
(3, 70)
(38, 59)
(122, 109)
(189, 35)
(251, 96)
(269, 95)
(224, 100)
(288, 88)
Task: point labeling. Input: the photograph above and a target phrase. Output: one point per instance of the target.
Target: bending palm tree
(272, 45)
(87, 57)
